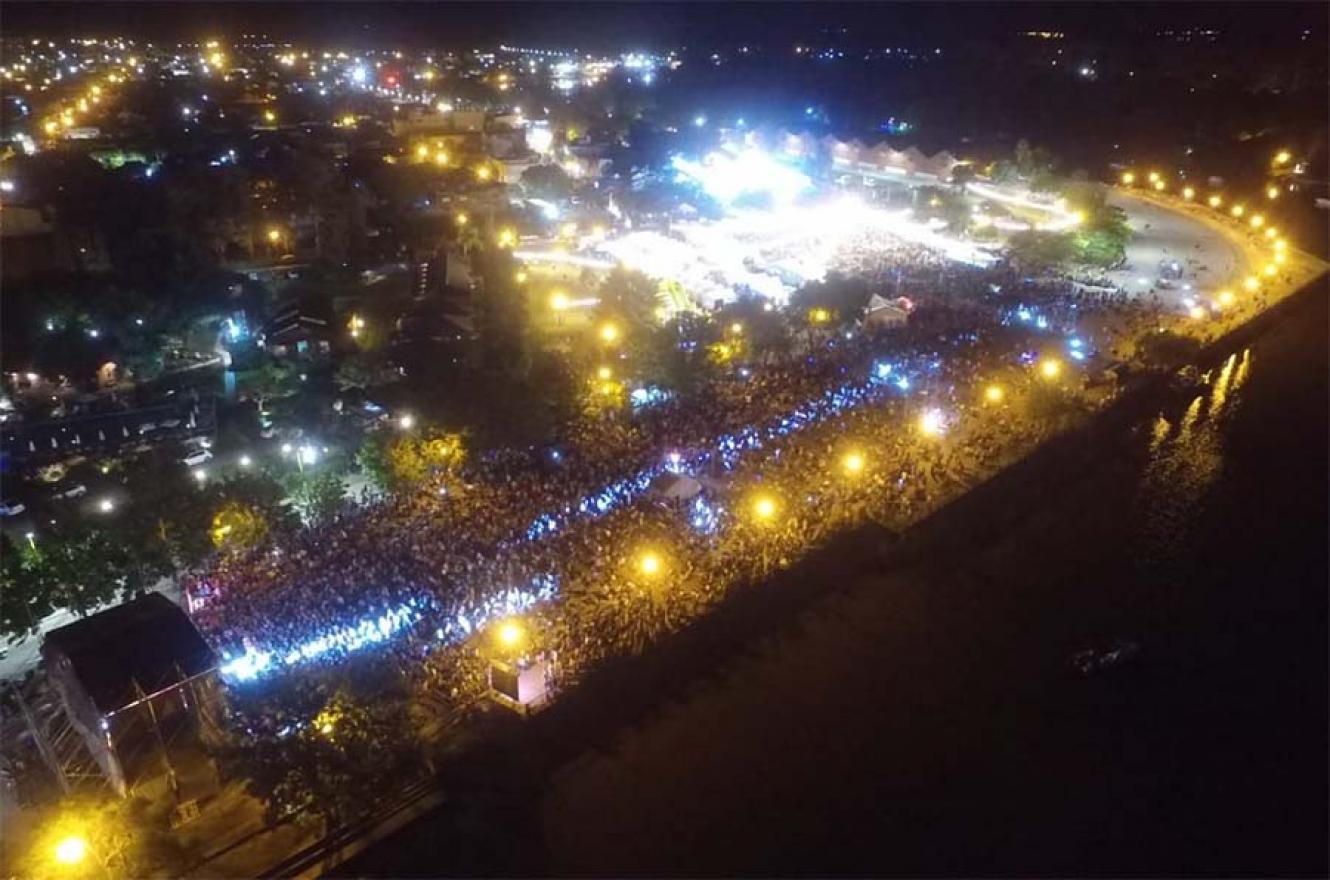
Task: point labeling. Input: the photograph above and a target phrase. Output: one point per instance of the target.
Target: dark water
(912, 710)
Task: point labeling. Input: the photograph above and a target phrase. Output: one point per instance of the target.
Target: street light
(650, 564)
(1272, 192)
(1196, 312)
(462, 218)
(441, 158)
(609, 333)
(507, 238)
(1050, 368)
(853, 463)
(1153, 177)
(604, 374)
(1215, 201)
(1188, 193)
(1237, 210)
(931, 422)
(1257, 221)
(106, 505)
(1282, 157)
(994, 394)
(406, 422)
(1128, 178)
(764, 508)
(559, 301)
(1251, 283)
(819, 316)
(71, 850)
(245, 461)
(510, 634)
(1226, 298)
(274, 235)
(422, 151)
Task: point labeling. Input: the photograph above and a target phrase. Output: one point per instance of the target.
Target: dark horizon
(650, 25)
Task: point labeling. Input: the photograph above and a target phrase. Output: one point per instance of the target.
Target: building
(125, 674)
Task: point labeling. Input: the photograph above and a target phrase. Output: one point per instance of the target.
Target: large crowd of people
(554, 532)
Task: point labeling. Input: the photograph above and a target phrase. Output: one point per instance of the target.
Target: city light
(1188, 193)
(422, 151)
(1282, 157)
(274, 235)
(818, 316)
(1196, 312)
(559, 302)
(1272, 192)
(1251, 283)
(507, 238)
(604, 374)
(931, 422)
(1050, 368)
(1128, 178)
(649, 564)
(764, 508)
(1226, 298)
(1237, 210)
(853, 463)
(71, 850)
(1257, 221)
(106, 505)
(406, 421)
(1215, 201)
(510, 634)
(609, 333)
(994, 394)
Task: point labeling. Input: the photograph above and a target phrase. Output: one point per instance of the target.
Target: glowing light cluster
(729, 175)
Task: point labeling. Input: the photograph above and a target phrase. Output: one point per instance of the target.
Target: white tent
(678, 487)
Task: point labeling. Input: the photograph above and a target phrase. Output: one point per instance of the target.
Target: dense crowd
(555, 530)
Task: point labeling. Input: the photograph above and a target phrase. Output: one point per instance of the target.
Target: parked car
(75, 490)
(11, 507)
(146, 427)
(197, 457)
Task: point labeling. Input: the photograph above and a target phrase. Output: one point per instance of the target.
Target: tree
(547, 182)
(318, 497)
(629, 297)
(501, 313)
(237, 527)
(1037, 251)
(362, 371)
(844, 298)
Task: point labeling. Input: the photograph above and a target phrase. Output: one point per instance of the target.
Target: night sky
(615, 25)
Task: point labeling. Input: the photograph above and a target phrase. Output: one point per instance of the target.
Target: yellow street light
(274, 235)
(1215, 201)
(819, 316)
(1282, 157)
(1237, 210)
(1272, 192)
(1251, 283)
(520, 277)
(609, 333)
(853, 463)
(649, 564)
(1257, 221)
(736, 328)
(484, 173)
(1050, 368)
(1196, 312)
(604, 373)
(994, 394)
(462, 219)
(1128, 178)
(507, 238)
(1271, 232)
(510, 634)
(1271, 269)
(1280, 257)
(1160, 186)
(269, 116)
(559, 301)
(422, 151)
(71, 850)
(51, 126)
(1226, 298)
(1280, 244)
(348, 121)
(764, 508)
(1153, 177)
(1188, 193)
(441, 158)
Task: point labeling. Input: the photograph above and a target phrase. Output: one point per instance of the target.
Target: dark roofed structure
(148, 640)
(142, 657)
